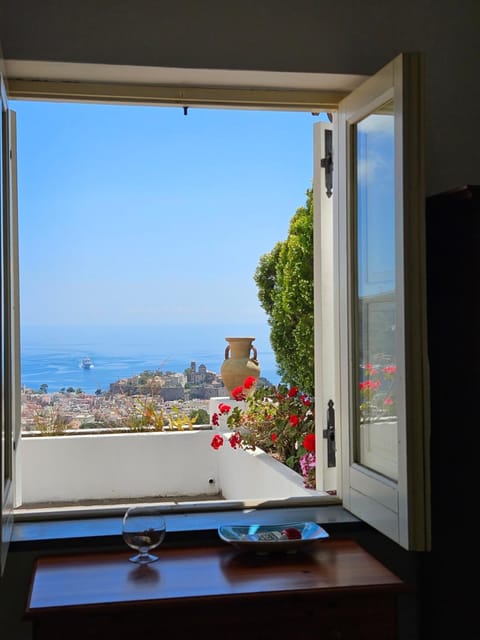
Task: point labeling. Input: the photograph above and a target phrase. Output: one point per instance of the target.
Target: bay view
(57, 392)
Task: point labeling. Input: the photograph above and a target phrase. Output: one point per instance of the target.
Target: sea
(52, 355)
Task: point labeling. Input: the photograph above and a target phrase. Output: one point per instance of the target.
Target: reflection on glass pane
(376, 438)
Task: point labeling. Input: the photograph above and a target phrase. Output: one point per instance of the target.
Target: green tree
(43, 388)
(284, 278)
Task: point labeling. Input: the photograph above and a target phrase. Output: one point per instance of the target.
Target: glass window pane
(375, 294)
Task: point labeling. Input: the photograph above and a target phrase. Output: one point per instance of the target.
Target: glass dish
(267, 538)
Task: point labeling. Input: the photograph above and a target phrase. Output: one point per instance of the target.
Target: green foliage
(145, 416)
(179, 421)
(50, 422)
(284, 278)
(200, 416)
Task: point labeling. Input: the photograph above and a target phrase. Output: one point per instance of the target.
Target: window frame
(9, 324)
(288, 99)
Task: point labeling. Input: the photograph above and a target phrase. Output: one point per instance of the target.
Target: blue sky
(142, 215)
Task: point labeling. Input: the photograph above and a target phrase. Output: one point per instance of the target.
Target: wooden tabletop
(88, 581)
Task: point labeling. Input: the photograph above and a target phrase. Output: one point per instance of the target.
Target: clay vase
(240, 363)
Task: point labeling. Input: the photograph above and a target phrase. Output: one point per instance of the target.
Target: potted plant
(277, 419)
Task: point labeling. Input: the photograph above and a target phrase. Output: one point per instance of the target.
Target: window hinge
(327, 162)
(329, 434)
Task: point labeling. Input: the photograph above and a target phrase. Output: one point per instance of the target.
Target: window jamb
(257, 99)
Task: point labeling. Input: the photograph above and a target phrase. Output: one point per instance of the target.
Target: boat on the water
(86, 363)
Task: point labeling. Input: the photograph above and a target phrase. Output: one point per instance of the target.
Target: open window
(375, 484)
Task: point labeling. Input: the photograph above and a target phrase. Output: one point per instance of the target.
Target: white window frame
(303, 101)
(399, 509)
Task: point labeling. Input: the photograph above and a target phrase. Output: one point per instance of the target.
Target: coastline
(52, 355)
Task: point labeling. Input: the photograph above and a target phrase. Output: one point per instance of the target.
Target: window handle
(329, 434)
(327, 163)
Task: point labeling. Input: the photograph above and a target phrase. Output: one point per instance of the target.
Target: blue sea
(52, 355)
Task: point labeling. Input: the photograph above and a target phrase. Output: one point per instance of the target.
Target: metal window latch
(329, 434)
(327, 162)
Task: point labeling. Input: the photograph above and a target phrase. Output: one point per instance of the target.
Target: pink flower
(388, 400)
(390, 369)
(307, 465)
(217, 442)
(307, 462)
(370, 369)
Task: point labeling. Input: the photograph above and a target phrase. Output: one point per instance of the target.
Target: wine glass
(143, 529)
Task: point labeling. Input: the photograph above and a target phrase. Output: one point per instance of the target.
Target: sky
(136, 215)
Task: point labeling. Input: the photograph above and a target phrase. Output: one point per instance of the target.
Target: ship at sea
(86, 363)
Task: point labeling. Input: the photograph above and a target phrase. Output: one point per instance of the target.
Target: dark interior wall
(271, 35)
(310, 36)
(278, 35)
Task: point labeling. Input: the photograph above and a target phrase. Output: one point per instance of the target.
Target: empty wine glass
(143, 529)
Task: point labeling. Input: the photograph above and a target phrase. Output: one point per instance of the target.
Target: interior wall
(279, 35)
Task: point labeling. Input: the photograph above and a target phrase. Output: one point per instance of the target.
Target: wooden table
(335, 590)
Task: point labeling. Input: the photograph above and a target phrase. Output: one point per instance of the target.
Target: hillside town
(149, 398)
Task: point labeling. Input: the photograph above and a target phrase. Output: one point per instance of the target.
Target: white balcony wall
(117, 466)
(137, 465)
(254, 475)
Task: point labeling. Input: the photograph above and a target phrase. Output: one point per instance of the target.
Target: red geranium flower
(369, 385)
(309, 442)
(249, 382)
(215, 420)
(238, 393)
(276, 419)
(224, 408)
(217, 441)
(235, 440)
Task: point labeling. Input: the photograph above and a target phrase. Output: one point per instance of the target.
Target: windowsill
(183, 525)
